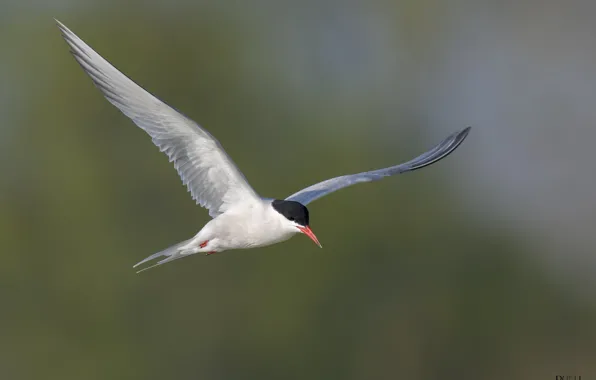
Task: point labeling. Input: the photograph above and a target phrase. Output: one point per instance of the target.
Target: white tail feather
(172, 253)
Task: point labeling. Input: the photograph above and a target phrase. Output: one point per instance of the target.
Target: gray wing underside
(440, 151)
(212, 178)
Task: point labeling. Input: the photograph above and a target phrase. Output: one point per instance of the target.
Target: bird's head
(295, 217)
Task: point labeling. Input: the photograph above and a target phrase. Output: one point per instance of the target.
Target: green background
(422, 276)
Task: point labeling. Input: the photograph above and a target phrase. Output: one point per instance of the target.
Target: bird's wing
(321, 189)
(209, 173)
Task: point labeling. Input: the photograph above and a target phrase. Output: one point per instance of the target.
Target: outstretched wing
(321, 189)
(209, 173)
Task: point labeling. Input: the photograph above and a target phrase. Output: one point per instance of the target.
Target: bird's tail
(171, 253)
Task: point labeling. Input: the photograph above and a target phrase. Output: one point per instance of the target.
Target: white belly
(248, 227)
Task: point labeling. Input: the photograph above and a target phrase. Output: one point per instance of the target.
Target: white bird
(241, 218)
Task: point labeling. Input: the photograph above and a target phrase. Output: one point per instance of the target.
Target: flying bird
(240, 217)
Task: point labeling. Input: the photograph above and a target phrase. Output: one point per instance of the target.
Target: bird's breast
(249, 230)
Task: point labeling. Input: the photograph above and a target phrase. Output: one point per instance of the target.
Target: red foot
(204, 244)
(210, 253)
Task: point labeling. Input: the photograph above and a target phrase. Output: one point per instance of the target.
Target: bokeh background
(479, 267)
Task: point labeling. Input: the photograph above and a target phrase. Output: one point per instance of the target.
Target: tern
(240, 217)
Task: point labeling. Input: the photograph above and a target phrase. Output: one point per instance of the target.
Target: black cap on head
(293, 211)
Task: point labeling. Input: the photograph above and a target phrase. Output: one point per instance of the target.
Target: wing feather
(440, 151)
(209, 173)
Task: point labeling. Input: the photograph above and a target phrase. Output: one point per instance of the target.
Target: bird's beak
(308, 232)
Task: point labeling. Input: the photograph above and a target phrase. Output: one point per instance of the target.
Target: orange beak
(308, 232)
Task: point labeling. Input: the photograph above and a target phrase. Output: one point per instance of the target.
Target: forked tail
(172, 253)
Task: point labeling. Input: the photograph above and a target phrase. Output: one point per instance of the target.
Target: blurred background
(481, 266)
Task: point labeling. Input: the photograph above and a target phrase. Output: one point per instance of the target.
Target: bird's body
(241, 218)
(246, 225)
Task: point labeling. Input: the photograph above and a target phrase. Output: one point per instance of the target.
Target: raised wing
(209, 173)
(321, 189)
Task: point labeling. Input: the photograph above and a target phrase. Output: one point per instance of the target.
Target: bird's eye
(291, 218)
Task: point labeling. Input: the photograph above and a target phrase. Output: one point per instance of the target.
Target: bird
(240, 217)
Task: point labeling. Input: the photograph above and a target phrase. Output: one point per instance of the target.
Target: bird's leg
(203, 245)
